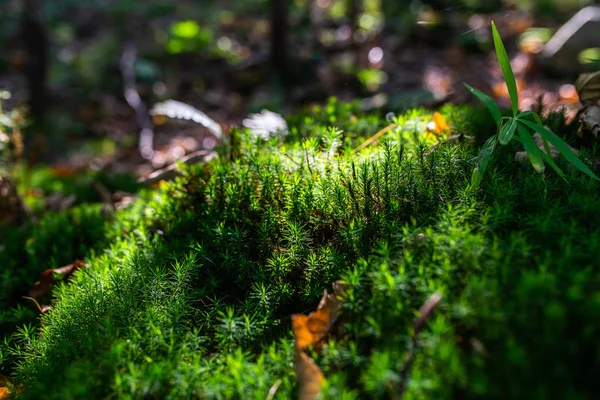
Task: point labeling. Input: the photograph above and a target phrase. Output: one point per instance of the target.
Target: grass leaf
(489, 103)
(532, 150)
(561, 146)
(550, 161)
(484, 158)
(509, 77)
(507, 131)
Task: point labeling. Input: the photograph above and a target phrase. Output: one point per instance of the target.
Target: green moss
(190, 291)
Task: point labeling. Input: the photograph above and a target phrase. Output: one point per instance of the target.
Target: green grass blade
(485, 154)
(532, 150)
(550, 161)
(489, 103)
(562, 147)
(537, 119)
(507, 131)
(509, 77)
(526, 113)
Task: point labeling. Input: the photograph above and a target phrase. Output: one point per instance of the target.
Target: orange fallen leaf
(47, 278)
(309, 376)
(311, 329)
(4, 392)
(7, 390)
(441, 125)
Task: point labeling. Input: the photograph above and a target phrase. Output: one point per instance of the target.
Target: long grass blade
(507, 131)
(561, 146)
(509, 77)
(489, 103)
(532, 150)
(485, 154)
(550, 161)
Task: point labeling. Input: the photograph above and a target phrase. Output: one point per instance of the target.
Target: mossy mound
(189, 293)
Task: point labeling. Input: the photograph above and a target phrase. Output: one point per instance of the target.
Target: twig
(42, 309)
(105, 194)
(375, 137)
(170, 171)
(425, 313)
(273, 389)
(127, 65)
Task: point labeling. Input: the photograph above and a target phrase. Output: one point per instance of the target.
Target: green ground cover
(188, 293)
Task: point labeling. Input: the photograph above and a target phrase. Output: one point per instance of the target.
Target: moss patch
(190, 292)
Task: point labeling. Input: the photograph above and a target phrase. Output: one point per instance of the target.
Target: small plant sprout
(519, 127)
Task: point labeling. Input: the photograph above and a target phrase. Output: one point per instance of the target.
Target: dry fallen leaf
(588, 89)
(42, 309)
(309, 376)
(311, 329)
(441, 125)
(42, 287)
(6, 389)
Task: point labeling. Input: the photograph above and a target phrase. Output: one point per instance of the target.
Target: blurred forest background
(78, 77)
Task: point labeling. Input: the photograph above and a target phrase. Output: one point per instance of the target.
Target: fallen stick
(127, 66)
(171, 172)
(425, 313)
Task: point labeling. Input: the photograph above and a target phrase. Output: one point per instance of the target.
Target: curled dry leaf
(309, 376)
(47, 278)
(588, 89)
(311, 329)
(42, 309)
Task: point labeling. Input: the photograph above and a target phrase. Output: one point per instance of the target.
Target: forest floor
(195, 287)
(200, 289)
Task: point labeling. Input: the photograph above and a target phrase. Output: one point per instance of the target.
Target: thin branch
(425, 313)
(170, 171)
(127, 65)
(375, 137)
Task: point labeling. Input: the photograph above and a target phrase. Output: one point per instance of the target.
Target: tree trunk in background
(279, 38)
(36, 44)
(354, 14)
(389, 10)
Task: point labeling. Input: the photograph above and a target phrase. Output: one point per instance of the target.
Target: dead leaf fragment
(441, 125)
(311, 329)
(309, 376)
(47, 278)
(588, 89)
(42, 309)
(4, 392)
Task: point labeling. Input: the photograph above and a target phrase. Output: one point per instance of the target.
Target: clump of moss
(192, 291)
